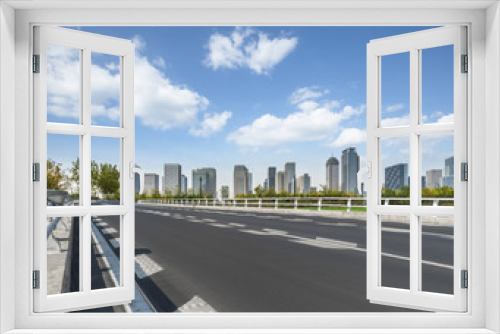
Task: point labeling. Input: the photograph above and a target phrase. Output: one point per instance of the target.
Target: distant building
(205, 182)
(448, 178)
(290, 179)
(423, 182)
(350, 168)
(266, 184)
(224, 192)
(280, 176)
(314, 189)
(396, 176)
(240, 180)
(184, 184)
(137, 181)
(271, 178)
(304, 184)
(151, 183)
(249, 183)
(172, 178)
(332, 174)
(433, 178)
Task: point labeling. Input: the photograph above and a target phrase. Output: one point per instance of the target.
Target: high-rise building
(240, 180)
(151, 183)
(205, 182)
(266, 184)
(172, 178)
(449, 169)
(271, 178)
(433, 178)
(350, 168)
(290, 179)
(137, 181)
(332, 174)
(396, 176)
(280, 181)
(304, 184)
(184, 184)
(249, 183)
(224, 192)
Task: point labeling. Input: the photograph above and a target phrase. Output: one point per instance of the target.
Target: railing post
(276, 203)
(246, 202)
(234, 201)
(435, 202)
(295, 204)
(320, 202)
(386, 201)
(349, 205)
(260, 203)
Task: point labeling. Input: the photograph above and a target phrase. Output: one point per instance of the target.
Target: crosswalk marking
(109, 230)
(145, 266)
(196, 304)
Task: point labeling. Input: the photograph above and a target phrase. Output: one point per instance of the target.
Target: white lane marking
(301, 220)
(102, 224)
(115, 242)
(254, 232)
(219, 225)
(109, 230)
(195, 220)
(430, 263)
(237, 224)
(177, 216)
(145, 266)
(400, 230)
(274, 232)
(191, 217)
(327, 243)
(208, 220)
(196, 304)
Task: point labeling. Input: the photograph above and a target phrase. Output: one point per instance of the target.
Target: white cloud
(248, 48)
(306, 93)
(396, 121)
(450, 118)
(306, 125)
(159, 103)
(211, 124)
(349, 137)
(394, 107)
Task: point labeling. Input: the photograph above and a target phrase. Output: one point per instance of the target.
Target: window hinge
(36, 279)
(36, 63)
(464, 171)
(465, 64)
(36, 172)
(465, 279)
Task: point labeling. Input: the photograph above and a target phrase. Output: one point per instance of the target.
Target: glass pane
(63, 255)
(437, 169)
(395, 90)
(105, 89)
(395, 257)
(395, 170)
(63, 84)
(105, 258)
(63, 169)
(437, 85)
(437, 254)
(106, 170)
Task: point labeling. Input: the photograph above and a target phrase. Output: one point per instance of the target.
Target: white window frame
(85, 43)
(484, 49)
(414, 43)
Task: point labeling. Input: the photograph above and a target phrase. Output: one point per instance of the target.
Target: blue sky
(259, 96)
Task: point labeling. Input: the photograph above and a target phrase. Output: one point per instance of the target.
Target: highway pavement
(204, 260)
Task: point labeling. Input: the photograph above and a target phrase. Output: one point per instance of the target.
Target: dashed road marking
(237, 224)
(109, 230)
(115, 242)
(196, 304)
(145, 266)
(219, 225)
(300, 220)
(275, 232)
(256, 232)
(208, 220)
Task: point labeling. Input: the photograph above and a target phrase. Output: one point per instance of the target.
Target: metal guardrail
(295, 203)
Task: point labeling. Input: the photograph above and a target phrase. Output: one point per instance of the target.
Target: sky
(258, 96)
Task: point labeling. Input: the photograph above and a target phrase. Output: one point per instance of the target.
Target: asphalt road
(195, 259)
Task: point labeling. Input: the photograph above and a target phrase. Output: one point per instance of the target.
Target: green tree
(108, 180)
(259, 191)
(54, 174)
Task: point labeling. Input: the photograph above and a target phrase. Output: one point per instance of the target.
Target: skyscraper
(240, 180)
(184, 184)
(304, 184)
(280, 181)
(350, 168)
(290, 180)
(151, 183)
(205, 181)
(396, 176)
(433, 178)
(449, 169)
(249, 183)
(172, 178)
(332, 174)
(271, 178)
